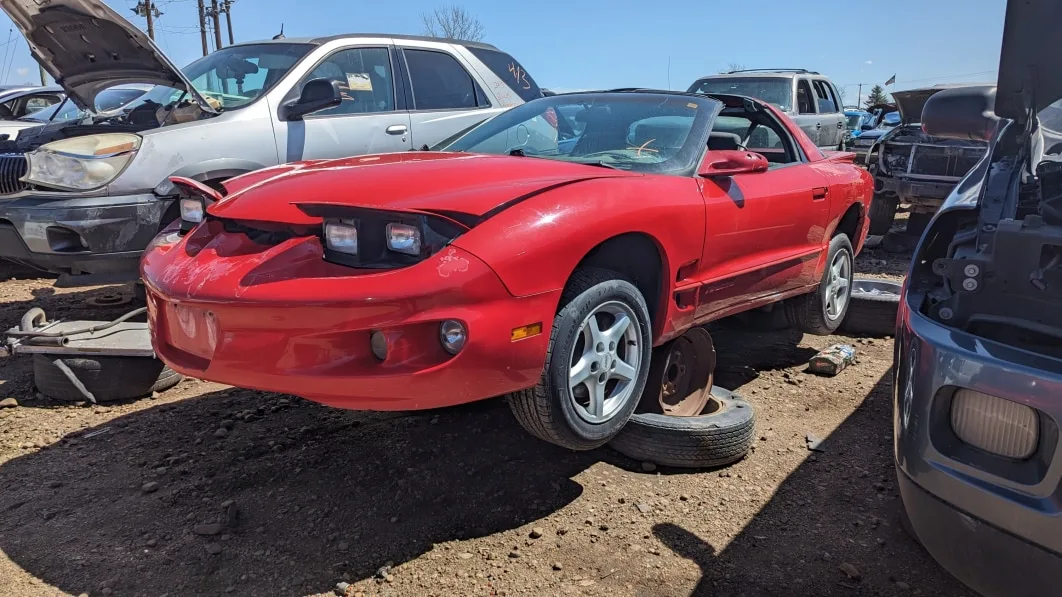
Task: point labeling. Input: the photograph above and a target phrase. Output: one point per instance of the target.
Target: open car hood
(1029, 63)
(87, 47)
(909, 103)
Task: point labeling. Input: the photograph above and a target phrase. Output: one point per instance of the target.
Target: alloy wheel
(606, 360)
(838, 284)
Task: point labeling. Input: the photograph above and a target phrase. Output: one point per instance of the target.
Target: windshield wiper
(600, 164)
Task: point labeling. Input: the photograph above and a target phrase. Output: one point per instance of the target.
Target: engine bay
(996, 272)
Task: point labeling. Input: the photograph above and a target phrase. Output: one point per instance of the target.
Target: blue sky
(591, 44)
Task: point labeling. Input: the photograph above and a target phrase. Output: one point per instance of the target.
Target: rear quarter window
(506, 68)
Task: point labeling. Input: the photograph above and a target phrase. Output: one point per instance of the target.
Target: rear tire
(871, 314)
(554, 410)
(822, 311)
(718, 438)
(109, 379)
(882, 213)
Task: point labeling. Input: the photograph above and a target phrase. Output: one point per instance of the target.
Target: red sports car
(541, 254)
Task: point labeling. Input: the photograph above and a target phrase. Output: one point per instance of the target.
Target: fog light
(378, 343)
(995, 425)
(453, 335)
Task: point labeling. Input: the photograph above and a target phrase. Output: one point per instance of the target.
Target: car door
(807, 116)
(764, 231)
(831, 119)
(444, 97)
(370, 119)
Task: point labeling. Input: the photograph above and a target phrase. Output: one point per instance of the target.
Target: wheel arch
(851, 222)
(639, 257)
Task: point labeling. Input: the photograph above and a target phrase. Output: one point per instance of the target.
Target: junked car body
(96, 195)
(978, 369)
(911, 167)
(455, 275)
(810, 99)
(20, 102)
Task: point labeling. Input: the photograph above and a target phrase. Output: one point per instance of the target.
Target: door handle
(819, 193)
(840, 125)
(818, 125)
(397, 129)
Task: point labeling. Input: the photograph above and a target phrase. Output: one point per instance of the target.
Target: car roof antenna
(281, 34)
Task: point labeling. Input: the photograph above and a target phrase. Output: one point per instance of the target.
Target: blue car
(856, 119)
(977, 385)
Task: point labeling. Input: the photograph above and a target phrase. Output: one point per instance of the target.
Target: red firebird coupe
(541, 254)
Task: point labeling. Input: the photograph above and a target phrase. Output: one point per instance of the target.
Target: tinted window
(439, 82)
(506, 68)
(804, 98)
(364, 77)
(773, 90)
(824, 99)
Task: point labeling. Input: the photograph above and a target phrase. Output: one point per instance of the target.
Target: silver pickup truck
(809, 98)
(84, 200)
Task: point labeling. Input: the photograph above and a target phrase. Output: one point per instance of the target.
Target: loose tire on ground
(109, 379)
(811, 313)
(718, 438)
(869, 313)
(882, 212)
(550, 410)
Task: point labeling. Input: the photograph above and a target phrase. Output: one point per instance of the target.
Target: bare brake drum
(680, 375)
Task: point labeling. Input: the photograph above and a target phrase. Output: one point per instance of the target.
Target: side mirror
(867, 127)
(728, 162)
(317, 95)
(966, 113)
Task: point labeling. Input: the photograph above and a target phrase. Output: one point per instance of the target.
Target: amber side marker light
(527, 331)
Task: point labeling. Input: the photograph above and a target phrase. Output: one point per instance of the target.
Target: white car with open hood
(85, 199)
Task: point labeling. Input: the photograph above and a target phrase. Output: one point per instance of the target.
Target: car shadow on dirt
(321, 494)
(793, 543)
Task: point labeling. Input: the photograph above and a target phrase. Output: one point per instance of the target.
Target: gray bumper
(103, 236)
(930, 193)
(995, 524)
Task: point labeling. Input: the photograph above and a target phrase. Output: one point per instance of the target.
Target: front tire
(822, 311)
(596, 366)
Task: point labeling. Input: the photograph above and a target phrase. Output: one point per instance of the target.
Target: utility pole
(202, 27)
(227, 7)
(148, 10)
(859, 96)
(216, 15)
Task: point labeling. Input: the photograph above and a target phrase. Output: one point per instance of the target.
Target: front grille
(13, 166)
(944, 160)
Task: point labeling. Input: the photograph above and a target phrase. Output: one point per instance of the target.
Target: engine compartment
(909, 151)
(996, 272)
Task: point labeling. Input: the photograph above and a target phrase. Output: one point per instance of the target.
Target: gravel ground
(210, 490)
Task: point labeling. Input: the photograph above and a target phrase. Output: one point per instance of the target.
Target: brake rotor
(680, 375)
(110, 299)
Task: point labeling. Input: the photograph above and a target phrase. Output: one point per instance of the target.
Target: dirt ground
(120, 500)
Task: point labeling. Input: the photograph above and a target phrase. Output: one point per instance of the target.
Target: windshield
(773, 90)
(233, 77)
(642, 132)
(106, 100)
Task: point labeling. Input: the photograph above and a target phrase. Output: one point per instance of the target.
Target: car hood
(462, 186)
(1028, 61)
(87, 47)
(909, 103)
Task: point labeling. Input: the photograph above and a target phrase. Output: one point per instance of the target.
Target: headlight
(82, 163)
(341, 236)
(403, 238)
(192, 210)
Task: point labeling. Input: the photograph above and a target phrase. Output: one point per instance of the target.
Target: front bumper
(928, 193)
(995, 524)
(280, 318)
(78, 234)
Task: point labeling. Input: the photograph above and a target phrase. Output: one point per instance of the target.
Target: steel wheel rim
(605, 363)
(838, 284)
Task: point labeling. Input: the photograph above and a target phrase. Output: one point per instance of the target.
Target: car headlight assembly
(376, 239)
(81, 163)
